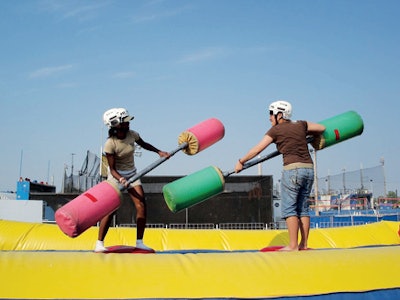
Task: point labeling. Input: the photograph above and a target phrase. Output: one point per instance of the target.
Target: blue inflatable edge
(385, 294)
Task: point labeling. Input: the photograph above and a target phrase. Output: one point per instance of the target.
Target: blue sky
(175, 63)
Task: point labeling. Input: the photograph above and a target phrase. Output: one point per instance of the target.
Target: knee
(140, 208)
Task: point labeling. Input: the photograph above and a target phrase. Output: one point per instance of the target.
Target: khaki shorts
(115, 181)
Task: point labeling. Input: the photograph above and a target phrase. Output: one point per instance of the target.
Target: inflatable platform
(38, 261)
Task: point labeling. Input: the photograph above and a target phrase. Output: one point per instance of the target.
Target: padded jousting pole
(338, 129)
(209, 182)
(104, 198)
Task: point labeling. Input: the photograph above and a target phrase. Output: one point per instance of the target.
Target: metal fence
(316, 222)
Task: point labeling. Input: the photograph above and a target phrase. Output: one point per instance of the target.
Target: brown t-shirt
(291, 142)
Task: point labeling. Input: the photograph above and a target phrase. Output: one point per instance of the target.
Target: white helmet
(115, 116)
(281, 106)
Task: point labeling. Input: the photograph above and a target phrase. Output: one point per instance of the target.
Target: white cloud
(67, 85)
(202, 55)
(124, 75)
(73, 9)
(49, 71)
(154, 16)
(83, 12)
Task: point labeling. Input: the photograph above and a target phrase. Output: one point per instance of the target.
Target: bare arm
(315, 128)
(150, 147)
(316, 131)
(111, 165)
(253, 152)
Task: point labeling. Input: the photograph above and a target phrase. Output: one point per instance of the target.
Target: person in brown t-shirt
(290, 138)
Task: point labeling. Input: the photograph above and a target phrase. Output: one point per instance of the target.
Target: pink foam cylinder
(208, 132)
(88, 208)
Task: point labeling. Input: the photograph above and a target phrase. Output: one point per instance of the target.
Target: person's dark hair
(112, 132)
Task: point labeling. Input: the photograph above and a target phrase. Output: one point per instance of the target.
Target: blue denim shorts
(296, 187)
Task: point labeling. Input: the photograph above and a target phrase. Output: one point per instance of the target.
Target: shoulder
(109, 140)
(315, 127)
(134, 134)
(109, 144)
(275, 131)
(271, 131)
(301, 123)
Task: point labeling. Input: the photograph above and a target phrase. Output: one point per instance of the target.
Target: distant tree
(391, 194)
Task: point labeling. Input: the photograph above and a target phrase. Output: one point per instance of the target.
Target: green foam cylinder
(339, 128)
(194, 188)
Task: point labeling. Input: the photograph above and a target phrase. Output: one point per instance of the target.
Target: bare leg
(304, 231)
(293, 229)
(137, 196)
(104, 226)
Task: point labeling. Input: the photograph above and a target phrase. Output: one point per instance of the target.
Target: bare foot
(287, 248)
(302, 247)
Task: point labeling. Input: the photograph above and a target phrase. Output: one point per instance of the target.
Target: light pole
(344, 180)
(72, 163)
(72, 171)
(259, 167)
(384, 176)
(315, 182)
(372, 193)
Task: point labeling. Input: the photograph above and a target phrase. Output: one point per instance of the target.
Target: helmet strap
(276, 118)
